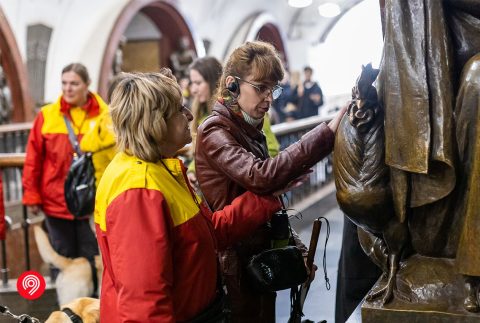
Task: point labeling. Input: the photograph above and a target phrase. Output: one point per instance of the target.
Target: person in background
(49, 154)
(232, 158)
(158, 240)
(309, 97)
(205, 73)
(280, 104)
(296, 86)
(184, 83)
(182, 57)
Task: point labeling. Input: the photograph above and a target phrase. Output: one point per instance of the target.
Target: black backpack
(79, 187)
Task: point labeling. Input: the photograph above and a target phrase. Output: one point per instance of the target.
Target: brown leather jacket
(232, 157)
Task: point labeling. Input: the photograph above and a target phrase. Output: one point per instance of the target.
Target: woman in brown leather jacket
(232, 157)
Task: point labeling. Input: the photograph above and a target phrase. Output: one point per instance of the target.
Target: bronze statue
(182, 57)
(362, 180)
(426, 165)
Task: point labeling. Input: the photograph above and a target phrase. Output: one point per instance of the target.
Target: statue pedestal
(373, 313)
(435, 291)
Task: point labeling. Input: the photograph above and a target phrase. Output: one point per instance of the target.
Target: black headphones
(233, 87)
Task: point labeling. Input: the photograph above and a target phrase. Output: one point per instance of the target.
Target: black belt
(72, 316)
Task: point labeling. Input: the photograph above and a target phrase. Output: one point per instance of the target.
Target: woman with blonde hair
(157, 238)
(49, 154)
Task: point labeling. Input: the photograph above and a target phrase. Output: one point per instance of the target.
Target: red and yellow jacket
(158, 248)
(100, 141)
(49, 153)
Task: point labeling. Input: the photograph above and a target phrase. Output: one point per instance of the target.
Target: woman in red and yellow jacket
(48, 158)
(158, 240)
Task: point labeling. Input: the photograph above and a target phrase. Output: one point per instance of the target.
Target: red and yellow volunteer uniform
(100, 141)
(49, 153)
(158, 249)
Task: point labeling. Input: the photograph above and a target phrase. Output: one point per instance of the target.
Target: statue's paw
(471, 304)
(388, 295)
(385, 292)
(374, 294)
(403, 296)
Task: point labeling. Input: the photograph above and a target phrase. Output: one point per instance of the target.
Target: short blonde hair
(141, 104)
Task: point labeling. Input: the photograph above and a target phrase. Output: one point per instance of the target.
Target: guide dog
(75, 277)
(84, 309)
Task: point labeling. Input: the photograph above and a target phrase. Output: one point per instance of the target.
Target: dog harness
(72, 316)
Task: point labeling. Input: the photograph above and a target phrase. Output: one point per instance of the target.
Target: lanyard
(79, 128)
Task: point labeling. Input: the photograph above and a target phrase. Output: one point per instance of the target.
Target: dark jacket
(306, 107)
(232, 157)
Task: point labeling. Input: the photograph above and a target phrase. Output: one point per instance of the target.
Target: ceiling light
(299, 3)
(329, 10)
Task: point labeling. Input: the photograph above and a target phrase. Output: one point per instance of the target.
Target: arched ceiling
(305, 23)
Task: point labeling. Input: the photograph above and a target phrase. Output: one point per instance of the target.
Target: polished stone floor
(320, 302)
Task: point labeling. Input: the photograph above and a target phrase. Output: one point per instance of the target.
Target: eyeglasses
(264, 90)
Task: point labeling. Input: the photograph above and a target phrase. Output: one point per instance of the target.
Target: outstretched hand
(293, 184)
(333, 125)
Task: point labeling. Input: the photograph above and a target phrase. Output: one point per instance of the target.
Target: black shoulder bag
(281, 267)
(79, 187)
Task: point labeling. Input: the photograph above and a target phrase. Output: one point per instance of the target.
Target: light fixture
(299, 3)
(329, 10)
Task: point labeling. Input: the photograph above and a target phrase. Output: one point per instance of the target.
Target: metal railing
(13, 140)
(13, 162)
(289, 133)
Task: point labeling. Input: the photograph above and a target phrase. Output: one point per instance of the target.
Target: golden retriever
(87, 308)
(75, 277)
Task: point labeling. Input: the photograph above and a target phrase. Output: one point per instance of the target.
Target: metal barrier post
(4, 269)
(25, 226)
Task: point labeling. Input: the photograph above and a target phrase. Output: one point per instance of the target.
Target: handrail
(12, 160)
(298, 125)
(15, 127)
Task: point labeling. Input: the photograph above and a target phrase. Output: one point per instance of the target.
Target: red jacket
(158, 247)
(49, 154)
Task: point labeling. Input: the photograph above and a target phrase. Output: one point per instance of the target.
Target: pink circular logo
(31, 285)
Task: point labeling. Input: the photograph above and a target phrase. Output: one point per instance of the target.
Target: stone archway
(15, 73)
(261, 26)
(166, 18)
(270, 33)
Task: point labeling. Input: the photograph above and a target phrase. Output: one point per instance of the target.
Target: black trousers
(356, 273)
(71, 238)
